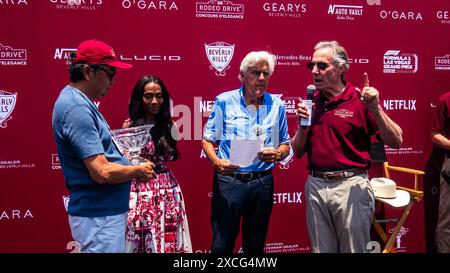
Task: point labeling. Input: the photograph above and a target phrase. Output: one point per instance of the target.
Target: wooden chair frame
(415, 196)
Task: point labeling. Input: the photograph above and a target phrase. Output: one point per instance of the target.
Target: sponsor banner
(443, 16)
(84, 5)
(358, 61)
(13, 3)
(396, 15)
(205, 107)
(284, 10)
(151, 6)
(373, 2)
(291, 59)
(290, 104)
(12, 56)
(7, 104)
(55, 162)
(64, 54)
(442, 62)
(402, 151)
(219, 9)
(346, 12)
(15, 215)
(281, 247)
(219, 55)
(287, 198)
(149, 57)
(400, 105)
(395, 61)
(15, 164)
(398, 245)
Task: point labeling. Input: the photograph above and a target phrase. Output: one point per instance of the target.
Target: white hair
(340, 55)
(253, 58)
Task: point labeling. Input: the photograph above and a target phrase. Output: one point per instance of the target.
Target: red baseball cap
(96, 52)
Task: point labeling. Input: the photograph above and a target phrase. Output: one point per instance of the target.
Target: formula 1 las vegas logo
(7, 103)
(219, 55)
(396, 62)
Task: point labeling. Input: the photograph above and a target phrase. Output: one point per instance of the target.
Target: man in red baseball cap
(97, 173)
(96, 52)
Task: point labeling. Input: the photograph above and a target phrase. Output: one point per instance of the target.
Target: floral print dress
(157, 221)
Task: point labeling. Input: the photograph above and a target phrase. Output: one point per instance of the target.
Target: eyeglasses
(257, 73)
(320, 65)
(109, 73)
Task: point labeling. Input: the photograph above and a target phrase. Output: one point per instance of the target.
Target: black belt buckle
(244, 176)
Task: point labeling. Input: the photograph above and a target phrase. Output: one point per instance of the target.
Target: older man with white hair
(245, 192)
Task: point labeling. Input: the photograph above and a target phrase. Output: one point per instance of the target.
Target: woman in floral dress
(157, 221)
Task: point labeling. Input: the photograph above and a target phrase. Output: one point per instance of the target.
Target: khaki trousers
(339, 213)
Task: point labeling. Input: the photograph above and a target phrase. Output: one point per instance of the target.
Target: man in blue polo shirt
(339, 199)
(246, 192)
(97, 174)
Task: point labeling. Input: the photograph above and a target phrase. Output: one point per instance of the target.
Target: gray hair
(340, 56)
(254, 57)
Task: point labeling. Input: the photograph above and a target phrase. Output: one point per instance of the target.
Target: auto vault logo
(219, 55)
(64, 54)
(11, 56)
(396, 62)
(219, 9)
(345, 12)
(7, 103)
(442, 63)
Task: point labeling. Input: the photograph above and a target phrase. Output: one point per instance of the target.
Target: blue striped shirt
(232, 119)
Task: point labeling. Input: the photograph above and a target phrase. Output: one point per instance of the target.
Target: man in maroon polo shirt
(440, 134)
(339, 199)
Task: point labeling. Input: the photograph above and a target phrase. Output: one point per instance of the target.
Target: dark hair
(161, 132)
(76, 72)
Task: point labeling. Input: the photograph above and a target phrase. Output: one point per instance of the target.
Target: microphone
(309, 100)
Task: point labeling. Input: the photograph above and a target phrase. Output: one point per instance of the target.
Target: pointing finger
(366, 80)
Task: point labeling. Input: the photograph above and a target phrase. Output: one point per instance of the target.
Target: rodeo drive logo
(219, 55)
(7, 103)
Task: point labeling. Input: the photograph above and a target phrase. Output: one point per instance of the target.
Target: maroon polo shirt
(441, 117)
(340, 132)
(440, 122)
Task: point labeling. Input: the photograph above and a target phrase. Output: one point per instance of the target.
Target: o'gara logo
(7, 103)
(219, 55)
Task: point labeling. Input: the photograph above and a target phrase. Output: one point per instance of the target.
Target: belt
(337, 175)
(250, 175)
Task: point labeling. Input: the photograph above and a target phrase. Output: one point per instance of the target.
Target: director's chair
(415, 196)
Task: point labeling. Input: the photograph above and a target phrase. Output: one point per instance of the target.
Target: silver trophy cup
(133, 139)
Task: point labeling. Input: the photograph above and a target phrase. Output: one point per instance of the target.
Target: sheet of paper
(245, 152)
